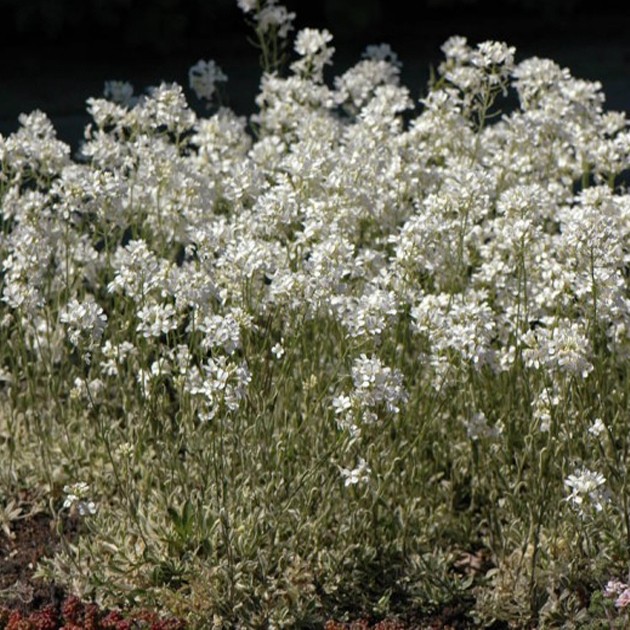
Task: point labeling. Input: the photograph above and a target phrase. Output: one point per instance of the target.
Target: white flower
(382, 52)
(203, 77)
(477, 427)
(138, 270)
(221, 331)
(342, 404)
(462, 323)
(310, 41)
(125, 450)
(88, 391)
(356, 86)
(368, 315)
(563, 348)
(312, 45)
(167, 106)
(586, 490)
(276, 16)
(614, 587)
(543, 409)
(120, 92)
(597, 428)
(246, 6)
(77, 497)
(277, 351)
(116, 356)
(359, 474)
(489, 54)
(220, 381)
(456, 47)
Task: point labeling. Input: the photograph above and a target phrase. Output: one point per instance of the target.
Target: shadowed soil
(33, 538)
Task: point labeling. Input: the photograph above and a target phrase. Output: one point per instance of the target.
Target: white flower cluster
(78, 498)
(369, 314)
(357, 475)
(216, 385)
(543, 409)
(120, 92)
(377, 389)
(478, 73)
(203, 78)
(83, 318)
(269, 14)
(461, 324)
(312, 46)
(477, 427)
(587, 490)
(563, 348)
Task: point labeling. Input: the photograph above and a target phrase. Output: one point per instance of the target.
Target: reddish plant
(45, 619)
(72, 612)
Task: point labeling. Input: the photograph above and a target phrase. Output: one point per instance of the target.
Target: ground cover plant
(355, 357)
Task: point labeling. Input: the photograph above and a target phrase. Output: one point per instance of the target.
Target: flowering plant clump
(307, 361)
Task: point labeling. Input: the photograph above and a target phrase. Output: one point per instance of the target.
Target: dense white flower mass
(477, 222)
(472, 226)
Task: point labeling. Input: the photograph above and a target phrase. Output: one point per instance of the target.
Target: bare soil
(33, 538)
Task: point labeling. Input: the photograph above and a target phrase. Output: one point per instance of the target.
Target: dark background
(56, 53)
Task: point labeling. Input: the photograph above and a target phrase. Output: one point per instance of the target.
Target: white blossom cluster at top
(502, 237)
